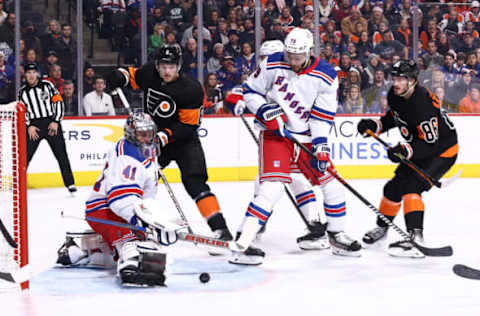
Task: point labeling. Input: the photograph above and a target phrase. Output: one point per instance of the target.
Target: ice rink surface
(290, 281)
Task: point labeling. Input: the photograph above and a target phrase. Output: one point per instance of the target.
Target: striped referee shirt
(42, 101)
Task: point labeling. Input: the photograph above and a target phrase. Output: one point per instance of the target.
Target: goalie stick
(432, 252)
(287, 190)
(431, 180)
(466, 272)
(7, 236)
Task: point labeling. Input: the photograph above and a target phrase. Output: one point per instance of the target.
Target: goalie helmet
(140, 124)
(169, 54)
(405, 68)
(271, 47)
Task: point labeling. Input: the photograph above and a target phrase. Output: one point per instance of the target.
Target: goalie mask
(140, 130)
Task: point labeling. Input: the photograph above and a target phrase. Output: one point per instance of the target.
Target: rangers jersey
(308, 99)
(127, 177)
(425, 127)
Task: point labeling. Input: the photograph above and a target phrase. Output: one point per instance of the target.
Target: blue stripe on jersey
(247, 89)
(278, 67)
(315, 76)
(128, 149)
(124, 186)
(324, 67)
(276, 57)
(319, 140)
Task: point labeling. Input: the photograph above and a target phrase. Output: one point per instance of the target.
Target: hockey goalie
(124, 193)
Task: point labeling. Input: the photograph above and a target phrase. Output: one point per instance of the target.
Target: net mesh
(10, 258)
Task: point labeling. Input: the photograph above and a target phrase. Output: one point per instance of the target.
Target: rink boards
(231, 152)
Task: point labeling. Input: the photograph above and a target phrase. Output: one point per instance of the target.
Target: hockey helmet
(169, 54)
(140, 122)
(405, 68)
(271, 47)
(299, 41)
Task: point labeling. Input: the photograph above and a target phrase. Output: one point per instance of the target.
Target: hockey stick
(7, 236)
(466, 272)
(431, 180)
(287, 190)
(432, 252)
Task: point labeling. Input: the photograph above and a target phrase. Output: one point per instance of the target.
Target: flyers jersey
(426, 128)
(176, 107)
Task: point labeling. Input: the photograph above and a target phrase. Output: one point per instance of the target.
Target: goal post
(13, 190)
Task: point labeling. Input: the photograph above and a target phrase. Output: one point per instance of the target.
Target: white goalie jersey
(309, 99)
(127, 177)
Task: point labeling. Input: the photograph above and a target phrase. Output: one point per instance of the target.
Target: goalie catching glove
(161, 227)
(118, 78)
(271, 115)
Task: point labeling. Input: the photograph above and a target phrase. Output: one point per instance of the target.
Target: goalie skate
(343, 245)
(405, 248)
(375, 234)
(315, 239)
(251, 256)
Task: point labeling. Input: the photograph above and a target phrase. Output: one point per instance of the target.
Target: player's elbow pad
(118, 78)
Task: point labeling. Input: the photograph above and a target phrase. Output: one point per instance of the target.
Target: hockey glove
(235, 103)
(271, 115)
(163, 137)
(399, 152)
(365, 124)
(117, 78)
(322, 151)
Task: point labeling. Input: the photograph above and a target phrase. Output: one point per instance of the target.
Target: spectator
(214, 62)
(221, 36)
(375, 20)
(228, 6)
(97, 102)
(437, 79)
(45, 112)
(364, 47)
(298, 12)
(344, 67)
(470, 28)
(213, 94)
(10, 57)
(233, 20)
(469, 44)
(366, 9)
(175, 14)
(329, 56)
(228, 76)
(70, 99)
(66, 48)
(51, 59)
(51, 37)
(452, 21)
(213, 20)
(403, 33)
(389, 47)
(391, 13)
(30, 38)
(7, 31)
(271, 13)
(233, 47)
(248, 35)
(276, 31)
(378, 34)
(342, 11)
(373, 65)
(7, 77)
(472, 63)
(108, 9)
(460, 62)
(286, 20)
(380, 105)
(157, 39)
(471, 102)
(460, 88)
(349, 24)
(55, 77)
(325, 10)
(406, 9)
(189, 32)
(190, 57)
(443, 46)
(157, 17)
(431, 33)
(474, 14)
(432, 58)
(449, 69)
(354, 102)
(246, 62)
(3, 14)
(444, 104)
(88, 79)
(249, 10)
(372, 94)
(330, 32)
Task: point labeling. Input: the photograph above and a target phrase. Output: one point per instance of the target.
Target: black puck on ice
(204, 277)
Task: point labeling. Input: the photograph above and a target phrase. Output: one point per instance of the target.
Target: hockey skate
(251, 257)
(70, 253)
(375, 234)
(405, 248)
(343, 245)
(315, 239)
(87, 249)
(223, 234)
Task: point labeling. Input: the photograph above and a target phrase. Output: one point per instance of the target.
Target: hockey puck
(204, 277)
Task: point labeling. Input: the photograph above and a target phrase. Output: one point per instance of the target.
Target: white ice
(290, 281)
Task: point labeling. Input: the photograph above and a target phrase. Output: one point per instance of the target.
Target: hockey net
(13, 190)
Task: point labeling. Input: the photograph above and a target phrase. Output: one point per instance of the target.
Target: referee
(44, 111)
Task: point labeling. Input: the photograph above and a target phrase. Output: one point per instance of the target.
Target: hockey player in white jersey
(128, 180)
(296, 92)
(315, 239)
